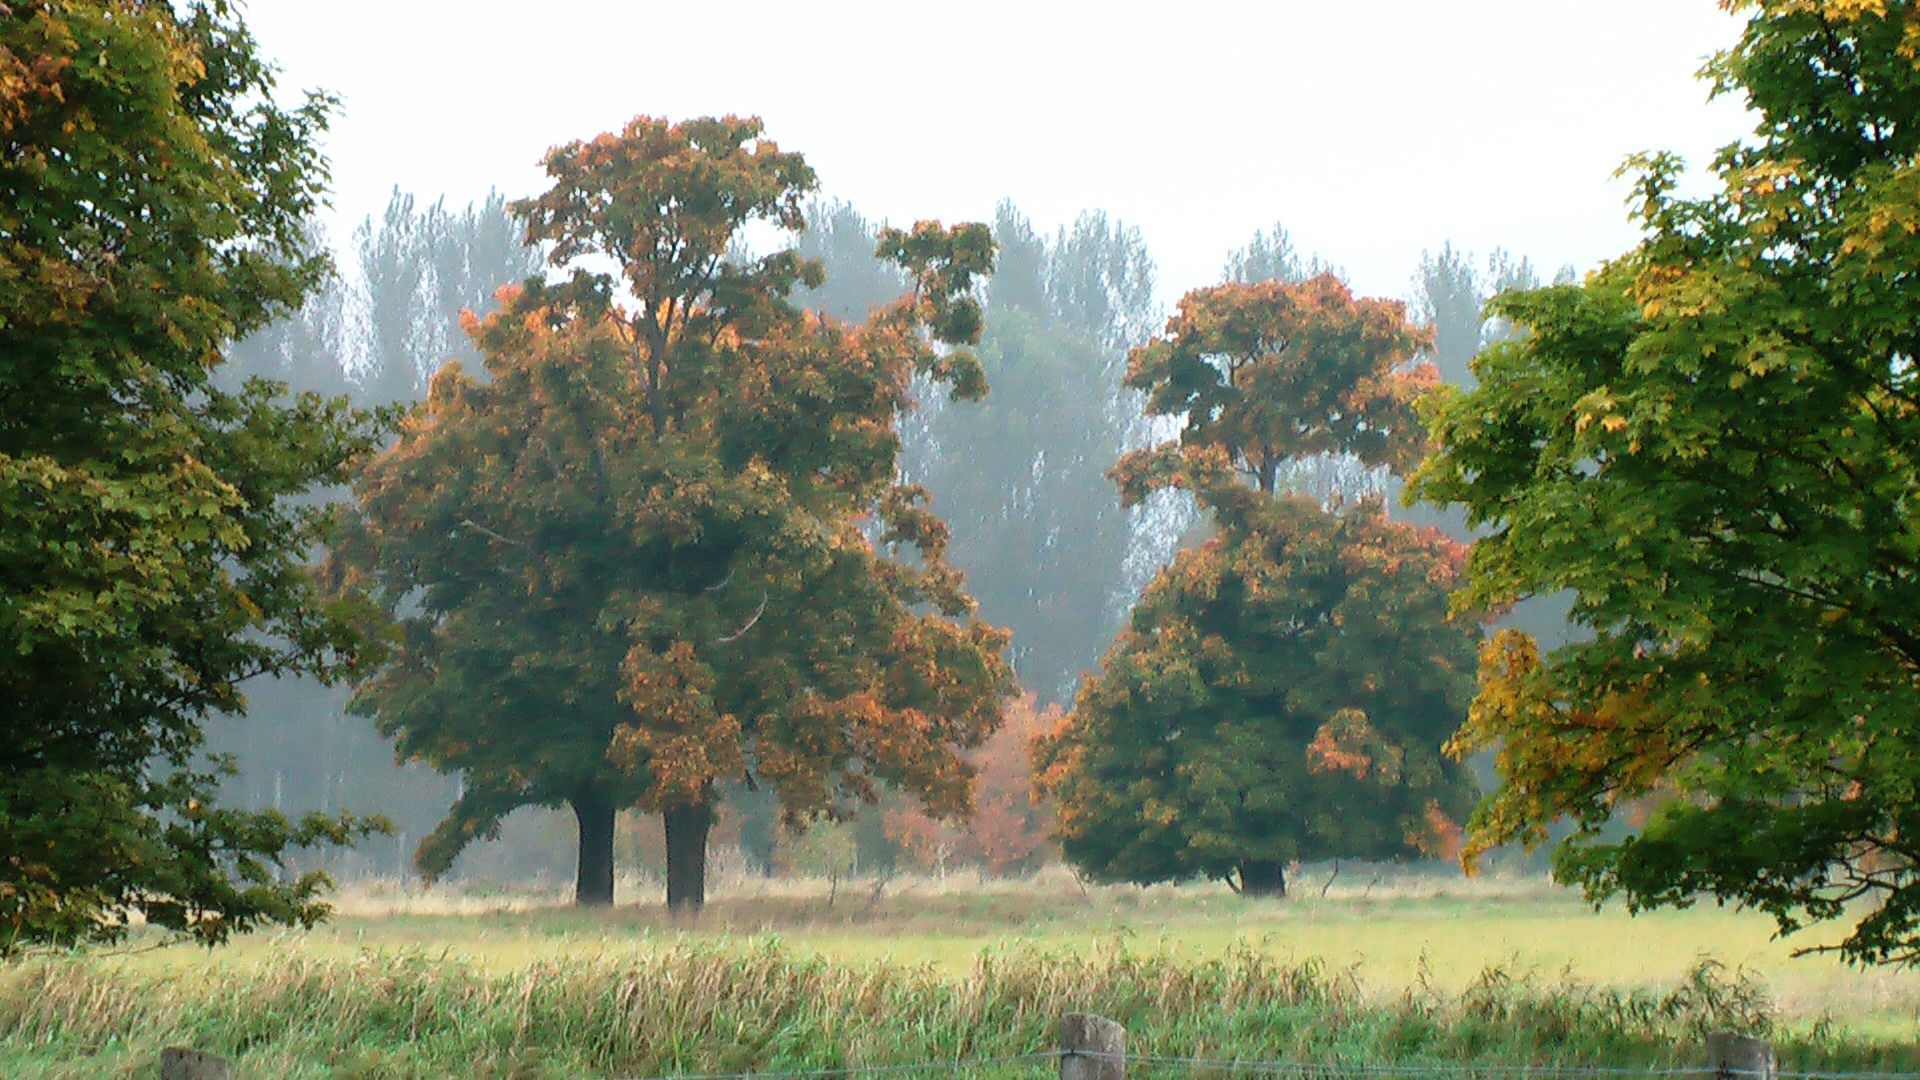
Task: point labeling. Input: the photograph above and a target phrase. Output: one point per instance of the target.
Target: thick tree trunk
(1263, 879)
(687, 828)
(593, 885)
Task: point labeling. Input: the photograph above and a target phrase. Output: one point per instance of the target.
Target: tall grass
(692, 1009)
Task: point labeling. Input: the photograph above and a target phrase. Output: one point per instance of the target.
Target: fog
(1374, 131)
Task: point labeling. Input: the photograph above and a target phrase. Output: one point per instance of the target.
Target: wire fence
(1221, 1068)
(1093, 1048)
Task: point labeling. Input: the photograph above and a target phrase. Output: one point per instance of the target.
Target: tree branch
(489, 533)
(757, 612)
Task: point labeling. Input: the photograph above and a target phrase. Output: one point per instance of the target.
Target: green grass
(1413, 971)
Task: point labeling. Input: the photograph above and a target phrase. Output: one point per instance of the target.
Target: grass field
(1405, 969)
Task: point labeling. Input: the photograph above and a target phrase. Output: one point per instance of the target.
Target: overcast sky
(1372, 130)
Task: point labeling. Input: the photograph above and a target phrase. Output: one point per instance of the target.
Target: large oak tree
(1284, 690)
(661, 547)
(154, 528)
(1714, 442)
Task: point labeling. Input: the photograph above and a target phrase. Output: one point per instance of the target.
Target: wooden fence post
(1092, 1048)
(180, 1064)
(1740, 1057)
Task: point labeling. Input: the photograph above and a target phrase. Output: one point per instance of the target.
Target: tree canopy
(1711, 442)
(153, 530)
(1283, 691)
(663, 545)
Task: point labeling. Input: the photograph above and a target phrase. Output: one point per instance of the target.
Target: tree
(1271, 256)
(419, 269)
(1007, 831)
(1450, 296)
(857, 280)
(1039, 533)
(1711, 443)
(630, 565)
(1283, 690)
(153, 535)
(1043, 540)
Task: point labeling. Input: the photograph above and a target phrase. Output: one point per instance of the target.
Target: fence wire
(1281, 1067)
(869, 1070)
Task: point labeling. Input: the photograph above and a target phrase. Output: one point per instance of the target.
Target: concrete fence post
(1740, 1057)
(1092, 1048)
(181, 1064)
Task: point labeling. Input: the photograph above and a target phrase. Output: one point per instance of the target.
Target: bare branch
(489, 533)
(757, 612)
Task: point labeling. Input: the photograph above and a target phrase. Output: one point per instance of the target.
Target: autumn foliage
(663, 546)
(1283, 690)
(1007, 831)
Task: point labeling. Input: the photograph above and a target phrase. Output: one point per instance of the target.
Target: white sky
(1372, 130)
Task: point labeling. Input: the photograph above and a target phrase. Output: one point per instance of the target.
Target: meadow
(1382, 969)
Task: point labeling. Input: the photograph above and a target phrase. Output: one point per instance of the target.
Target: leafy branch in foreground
(1714, 444)
(154, 525)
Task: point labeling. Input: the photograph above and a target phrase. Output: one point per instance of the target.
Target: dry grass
(1388, 929)
(692, 1008)
(1400, 964)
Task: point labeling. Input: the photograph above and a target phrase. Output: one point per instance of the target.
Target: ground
(1389, 930)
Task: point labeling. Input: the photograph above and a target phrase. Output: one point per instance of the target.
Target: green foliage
(1711, 443)
(153, 533)
(1282, 695)
(630, 564)
(1284, 689)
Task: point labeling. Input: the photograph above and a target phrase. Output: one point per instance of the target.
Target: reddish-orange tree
(655, 549)
(1284, 690)
(1007, 831)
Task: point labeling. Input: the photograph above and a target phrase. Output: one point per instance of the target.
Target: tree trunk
(593, 885)
(687, 827)
(1263, 879)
